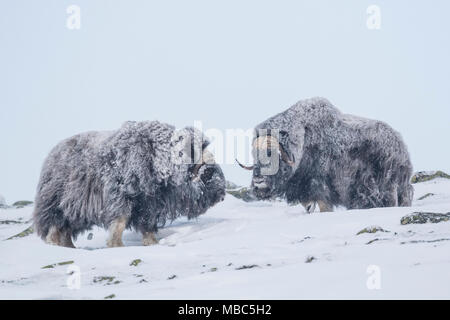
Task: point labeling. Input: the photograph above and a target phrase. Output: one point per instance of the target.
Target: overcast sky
(230, 64)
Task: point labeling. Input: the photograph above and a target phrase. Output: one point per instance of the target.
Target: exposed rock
(239, 192)
(111, 296)
(243, 193)
(425, 217)
(423, 176)
(231, 185)
(22, 204)
(310, 259)
(371, 229)
(426, 196)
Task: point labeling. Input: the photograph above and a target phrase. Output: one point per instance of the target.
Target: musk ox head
(202, 179)
(209, 178)
(274, 164)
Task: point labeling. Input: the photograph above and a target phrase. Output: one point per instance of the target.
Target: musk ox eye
(207, 174)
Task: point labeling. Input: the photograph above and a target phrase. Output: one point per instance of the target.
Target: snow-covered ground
(238, 250)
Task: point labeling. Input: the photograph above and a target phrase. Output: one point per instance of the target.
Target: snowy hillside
(239, 250)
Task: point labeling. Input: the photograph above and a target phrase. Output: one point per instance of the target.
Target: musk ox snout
(213, 179)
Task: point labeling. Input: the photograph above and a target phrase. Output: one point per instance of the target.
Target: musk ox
(323, 156)
(136, 177)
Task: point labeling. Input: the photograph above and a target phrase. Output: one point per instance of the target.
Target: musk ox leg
(149, 239)
(395, 196)
(324, 206)
(61, 238)
(405, 195)
(115, 232)
(309, 206)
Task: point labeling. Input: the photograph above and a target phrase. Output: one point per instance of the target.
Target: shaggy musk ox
(136, 177)
(326, 157)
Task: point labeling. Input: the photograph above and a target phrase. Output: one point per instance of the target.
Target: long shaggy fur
(93, 178)
(339, 159)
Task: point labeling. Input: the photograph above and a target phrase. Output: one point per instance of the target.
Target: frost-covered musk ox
(135, 177)
(331, 158)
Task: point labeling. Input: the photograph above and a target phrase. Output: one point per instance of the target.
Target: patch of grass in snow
(425, 241)
(172, 277)
(429, 194)
(376, 239)
(250, 266)
(310, 259)
(111, 296)
(22, 234)
(51, 266)
(135, 262)
(13, 281)
(10, 222)
(372, 229)
(106, 280)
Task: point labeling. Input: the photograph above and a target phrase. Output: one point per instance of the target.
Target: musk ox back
(136, 177)
(326, 157)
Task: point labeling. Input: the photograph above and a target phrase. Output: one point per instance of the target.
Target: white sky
(230, 64)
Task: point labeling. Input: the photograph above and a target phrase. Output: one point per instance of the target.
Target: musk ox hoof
(111, 243)
(59, 238)
(149, 239)
(115, 232)
(309, 206)
(323, 206)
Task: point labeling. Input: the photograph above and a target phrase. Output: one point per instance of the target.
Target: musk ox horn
(244, 167)
(207, 158)
(266, 142)
(285, 157)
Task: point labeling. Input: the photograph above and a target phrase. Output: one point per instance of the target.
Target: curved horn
(244, 167)
(285, 157)
(266, 142)
(196, 168)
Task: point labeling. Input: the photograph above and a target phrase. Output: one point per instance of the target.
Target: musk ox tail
(47, 215)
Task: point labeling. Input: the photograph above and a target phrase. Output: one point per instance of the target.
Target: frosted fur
(95, 177)
(338, 159)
